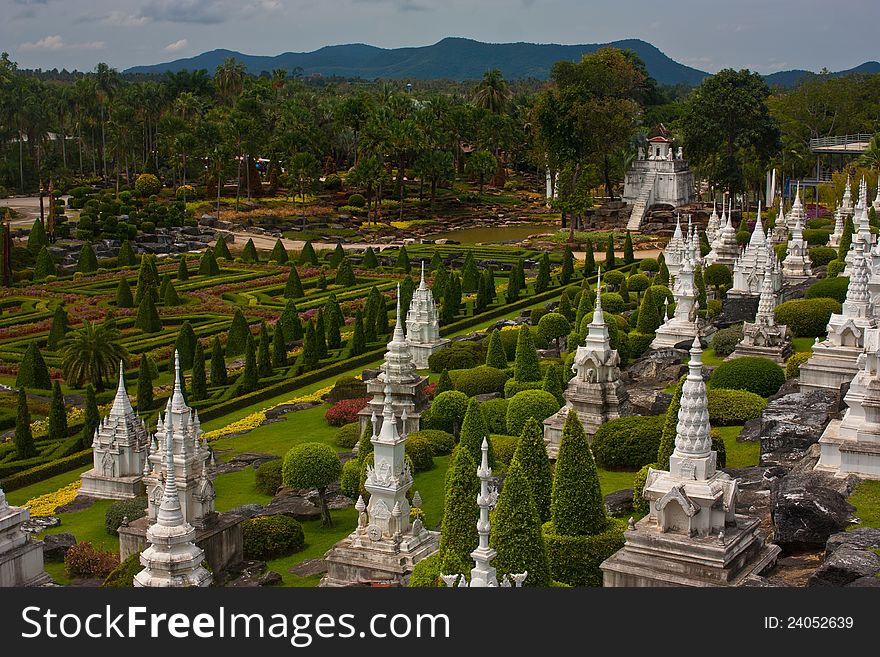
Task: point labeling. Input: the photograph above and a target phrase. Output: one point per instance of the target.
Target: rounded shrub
(829, 288)
(724, 341)
(627, 442)
(348, 435)
(504, 447)
(267, 537)
(85, 560)
(479, 380)
(347, 387)
(122, 576)
(357, 200)
(420, 451)
(753, 373)
(512, 387)
(807, 318)
(575, 560)
(457, 356)
(613, 303)
(332, 183)
(733, 407)
(822, 255)
(350, 481)
(267, 478)
(794, 362)
(147, 185)
(495, 414)
(442, 442)
(640, 504)
(426, 574)
(834, 268)
(131, 509)
(538, 404)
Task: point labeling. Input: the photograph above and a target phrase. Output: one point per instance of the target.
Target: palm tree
(106, 83)
(493, 92)
(229, 79)
(91, 354)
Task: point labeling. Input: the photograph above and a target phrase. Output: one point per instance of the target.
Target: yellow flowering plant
(46, 505)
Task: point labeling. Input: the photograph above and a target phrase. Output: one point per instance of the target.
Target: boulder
(250, 510)
(270, 578)
(862, 538)
(55, 546)
(619, 502)
(308, 567)
(866, 581)
(288, 502)
(806, 509)
(846, 565)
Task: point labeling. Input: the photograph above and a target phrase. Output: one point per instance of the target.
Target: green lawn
(613, 481)
(88, 525)
(802, 344)
(19, 496)
(739, 455)
(237, 488)
(866, 499)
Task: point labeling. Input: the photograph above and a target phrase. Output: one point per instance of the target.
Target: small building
(21, 557)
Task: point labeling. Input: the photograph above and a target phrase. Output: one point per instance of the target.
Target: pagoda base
(221, 541)
(843, 456)
(652, 558)
(421, 352)
(829, 368)
(357, 561)
(110, 488)
(594, 403)
(23, 566)
(672, 333)
(779, 354)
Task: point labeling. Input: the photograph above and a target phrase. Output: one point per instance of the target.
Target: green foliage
(612, 303)
(473, 431)
(479, 380)
(845, 239)
(345, 274)
(794, 362)
(495, 356)
(753, 373)
(122, 576)
(124, 298)
(470, 275)
(186, 345)
(403, 260)
(88, 261)
(589, 259)
(822, 255)
(370, 261)
(458, 536)
(208, 264)
(249, 252)
(247, 382)
(147, 185)
(57, 414)
(198, 380)
(238, 334)
(575, 560)
(264, 359)
(147, 280)
(504, 447)
(543, 280)
(444, 383)
(450, 406)
(32, 371)
(44, 266)
(834, 268)
(279, 253)
(829, 288)
(218, 363)
(420, 451)
(350, 481)
(93, 418)
(426, 573)
(640, 504)
(348, 435)
(441, 442)
(724, 341)
(267, 537)
(662, 277)
(311, 465)
(577, 506)
(733, 407)
(144, 398)
(567, 265)
(59, 329)
(37, 238)
(639, 343)
(290, 322)
(126, 256)
(537, 404)
(279, 347)
(670, 424)
(531, 454)
(132, 509)
(293, 289)
(553, 326)
(358, 338)
(525, 366)
(147, 319)
(553, 383)
(807, 317)
(649, 315)
(457, 356)
(221, 249)
(628, 256)
(516, 530)
(610, 261)
(308, 256)
(627, 442)
(23, 438)
(513, 387)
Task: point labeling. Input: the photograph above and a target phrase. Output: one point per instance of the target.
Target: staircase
(641, 203)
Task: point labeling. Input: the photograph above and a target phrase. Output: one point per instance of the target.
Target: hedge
(829, 288)
(807, 318)
(420, 451)
(267, 478)
(753, 373)
(266, 537)
(724, 341)
(794, 362)
(639, 343)
(457, 356)
(733, 407)
(46, 470)
(441, 442)
(822, 255)
(132, 509)
(512, 387)
(538, 404)
(504, 447)
(627, 442)
(495, 414)
(575, 560)
(426, 573)
(479, 380)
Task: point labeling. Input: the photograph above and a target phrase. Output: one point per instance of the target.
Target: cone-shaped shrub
(444, 383)
(516, 531)
(57, 414)
(543, 280)
(308, 256)
(32, 371)
(403, 260)
(370, 261)
(358, 340)
(147, 319)
(88, 261)
(553, 383)
(337, 256)
(249, 252)
(279, 253)
(345, 274)
(310, 351)
(264, 358)
(610, 261)
(182, 270)
(279, 348)
(249, 377)
(23, 439)
(577, 506)
(44, 266)
(290, 322)
(208, 264)
(662, 277)
(37, 238)
(470, 275)
(649, 316)
(238, 334)
(147, 281)
(495, 356)
(93, 417)
(145, 386)
(567, 265)
(186, 345)
(458, 536)
(589, 259)
(531, 454)
(126, 257)
(320, 335)
(124, 298)
(334, 338)
(166, 280)
(473, 430)
(585, 307)
(525, 365)
(218, 364)
(436, 261)
(628, 255)
(407, 289)
(198, 382)
(221, 249)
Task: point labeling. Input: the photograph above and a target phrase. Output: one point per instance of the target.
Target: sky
(706, 34)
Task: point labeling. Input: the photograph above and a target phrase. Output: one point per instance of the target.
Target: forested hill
(451, 58)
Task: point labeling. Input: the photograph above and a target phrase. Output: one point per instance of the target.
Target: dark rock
(862, 538)
(806, 510)
(278, 411)
(866, 581)
(270, 578)
(619, 502)
(370, 373)
(37, 525)
(250, 510)
(790, 387)
(79, 503)
(55, 546)
(737, 309)
(487, 396)
(790, 424)
(660, 365)
(308, 567)
(289, 503)
(846, 565)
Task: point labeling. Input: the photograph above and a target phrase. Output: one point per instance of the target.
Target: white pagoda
(797, 267)
(748, 270)
(386, 544)
(21, 557)
(834, 238)
(681, 326)
(713, 226)
(675, 249)
(423, 325)
(596, 392)
(692, 535)
(764, 337)
(120, 446)
(172, 558)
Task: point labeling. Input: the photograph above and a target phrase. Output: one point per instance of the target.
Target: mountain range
(455, 58)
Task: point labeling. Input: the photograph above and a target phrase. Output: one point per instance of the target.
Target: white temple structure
(120, 447)
(713, 226)
(21, 557)
(386, 544)
(423, 325)
(797, 267)
(661, 177)
(596, 392)
(851, 445)
(407, 396)
(862, 236)
(172, 558)
(834, 361)
(764, 337)
(681, 326)
(847, 204)
(675, 249)
(781, 227)
(834, 238)
(483, 574)
(748, 270)
(692, 535)
(725, 249)
(876, 203)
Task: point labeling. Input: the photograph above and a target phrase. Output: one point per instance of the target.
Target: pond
(493, 235)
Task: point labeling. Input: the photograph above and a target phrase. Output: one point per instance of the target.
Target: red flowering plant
(345, 411)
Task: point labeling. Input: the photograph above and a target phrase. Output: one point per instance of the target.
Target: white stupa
(423, 325)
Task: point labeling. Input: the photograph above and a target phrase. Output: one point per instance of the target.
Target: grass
(802, 344)
(88, 525)
(237, 488)
(614, 481)
(21, 495)
(866, 499)
(739, 454)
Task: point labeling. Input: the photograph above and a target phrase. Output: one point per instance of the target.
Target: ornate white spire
(767, 302)
(677, 234)
(757, 239)
(169, 514)
(857, 290)
(692, 433)
(598, 315)
(398, 323)
(177, 402)
(422, 285)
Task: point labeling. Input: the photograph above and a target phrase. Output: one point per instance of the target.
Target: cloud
(121, 19)
(186, 11)
(399, 5)
(54, 42)
(177, 46)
